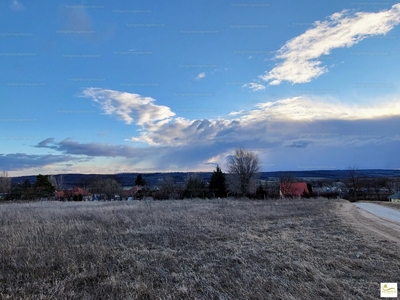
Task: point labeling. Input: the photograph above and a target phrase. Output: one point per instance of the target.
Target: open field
(190, 249)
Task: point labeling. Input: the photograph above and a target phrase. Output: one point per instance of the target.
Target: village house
(75, 194)
(293, 189)
(131, 193)
(395, 197)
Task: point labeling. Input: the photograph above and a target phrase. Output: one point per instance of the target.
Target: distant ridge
(128, 179)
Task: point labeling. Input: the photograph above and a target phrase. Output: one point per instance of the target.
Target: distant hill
(128, 179)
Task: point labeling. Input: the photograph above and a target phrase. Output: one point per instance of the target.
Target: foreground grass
(191, 249)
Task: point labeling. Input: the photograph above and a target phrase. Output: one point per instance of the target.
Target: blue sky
(110, 87)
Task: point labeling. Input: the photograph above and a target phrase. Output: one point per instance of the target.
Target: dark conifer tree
(140, 181)
(218, 183)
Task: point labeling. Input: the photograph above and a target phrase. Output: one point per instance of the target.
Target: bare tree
(169, 189)
(5, 182)
(273, 189)
(57, 182)
(108, 187)
(61, 183)
(53, 181)
(243, 167)
(286, 181)
(354, 182)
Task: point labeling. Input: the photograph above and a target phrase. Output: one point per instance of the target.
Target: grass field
(190, 249)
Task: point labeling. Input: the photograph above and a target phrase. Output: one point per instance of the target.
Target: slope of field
(191, 249)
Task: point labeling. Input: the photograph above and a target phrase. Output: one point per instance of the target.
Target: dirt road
(372, 218)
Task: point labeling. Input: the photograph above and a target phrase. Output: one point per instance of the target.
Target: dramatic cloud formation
(300, 55)
(239, 126)
(283, 132)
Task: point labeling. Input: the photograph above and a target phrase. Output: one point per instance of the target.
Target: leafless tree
(108, 187)
(286, 181)
(354, 181)
(53, 181)
(5, 182)
(61, 183)
(169, 189)
(58, 182)
(243, 167)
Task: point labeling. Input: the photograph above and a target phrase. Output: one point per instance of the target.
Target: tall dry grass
(191, 249)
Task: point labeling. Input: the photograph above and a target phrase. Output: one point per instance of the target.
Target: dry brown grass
(191, 249)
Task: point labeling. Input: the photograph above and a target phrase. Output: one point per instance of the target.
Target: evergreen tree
(43, 186)
(140, 181)
(218, 183)
(260, 192)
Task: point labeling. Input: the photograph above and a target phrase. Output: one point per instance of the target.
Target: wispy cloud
(200, 76)
(343, 29)
(255, 87)
(17, 6)
(78, 19)
(21, 161)
(69, 146)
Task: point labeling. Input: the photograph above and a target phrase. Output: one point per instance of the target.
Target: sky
(149, 86)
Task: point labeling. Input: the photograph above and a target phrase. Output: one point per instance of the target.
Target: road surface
(380, 211)
(368, 217)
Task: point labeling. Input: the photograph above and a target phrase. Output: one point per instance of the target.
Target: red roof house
(77, 190)
(293, 189)
(131, 192)
(59, 194)
(68, 194)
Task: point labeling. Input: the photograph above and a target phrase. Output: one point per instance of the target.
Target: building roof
(59, 194)
(395, 196)
(131, 191)
(72, 192)
(77, 190)
(294, 189)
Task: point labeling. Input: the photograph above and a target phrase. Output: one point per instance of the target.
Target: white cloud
(235, 113)
(160, 126)
(15, 5)
(306, 109)
(300, 55)
(255, 87)
(131, 107)
(256, 122)
(279, 130)
(201, 76)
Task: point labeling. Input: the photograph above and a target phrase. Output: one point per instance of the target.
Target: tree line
(243, 167)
